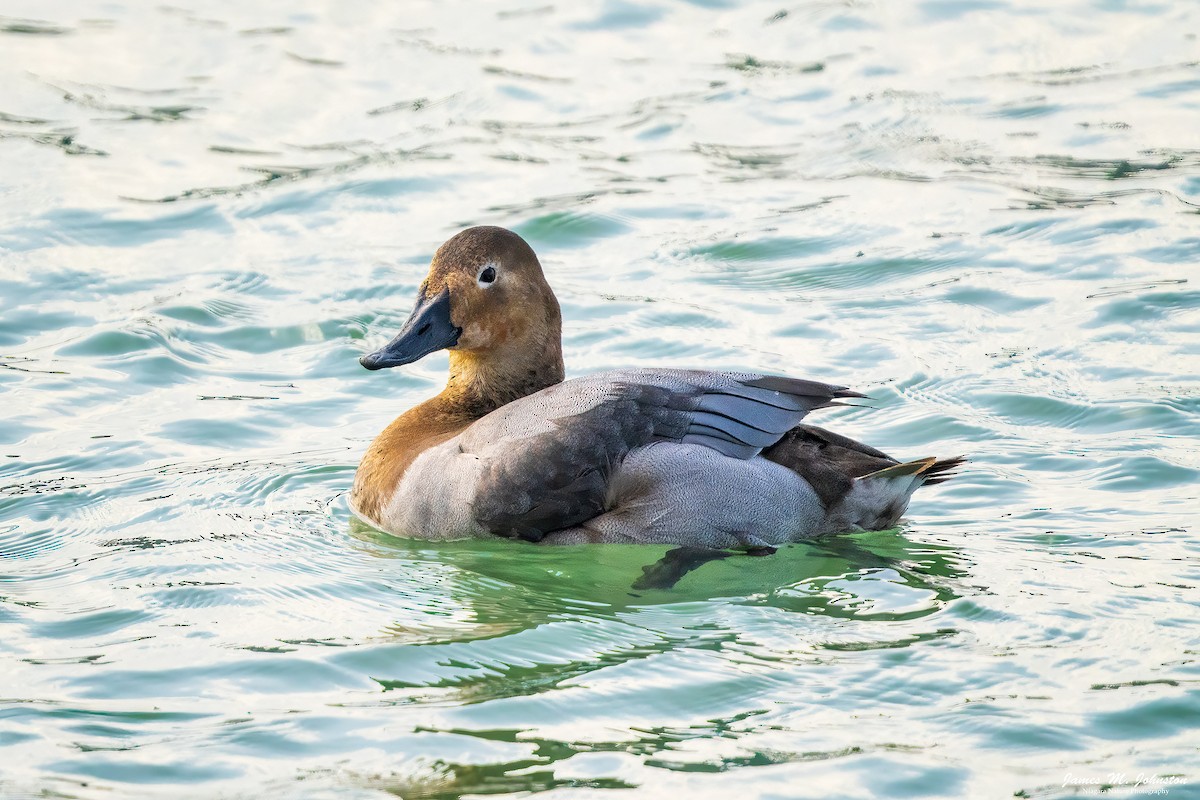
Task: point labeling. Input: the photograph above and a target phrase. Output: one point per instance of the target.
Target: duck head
(485, 300)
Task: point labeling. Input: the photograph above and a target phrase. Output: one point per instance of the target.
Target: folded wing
(547, 460)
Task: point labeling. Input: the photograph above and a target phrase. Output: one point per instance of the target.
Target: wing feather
(541, 476)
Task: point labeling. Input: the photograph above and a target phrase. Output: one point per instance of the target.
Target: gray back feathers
(547, 459)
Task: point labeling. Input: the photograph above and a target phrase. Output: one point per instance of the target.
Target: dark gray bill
(427, 330)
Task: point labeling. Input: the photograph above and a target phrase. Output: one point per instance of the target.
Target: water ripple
(989, 237)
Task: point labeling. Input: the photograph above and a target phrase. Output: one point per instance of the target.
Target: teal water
(983, 214)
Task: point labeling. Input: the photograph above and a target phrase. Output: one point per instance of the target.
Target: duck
(701, 459)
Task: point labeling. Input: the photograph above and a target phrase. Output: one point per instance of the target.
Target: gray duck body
(638, 455)
(696, 458)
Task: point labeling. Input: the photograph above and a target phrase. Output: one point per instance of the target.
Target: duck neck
(479, 384)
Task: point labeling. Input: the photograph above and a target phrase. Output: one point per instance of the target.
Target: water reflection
(528, 620)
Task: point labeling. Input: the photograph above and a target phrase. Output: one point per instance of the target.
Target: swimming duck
(697, 458)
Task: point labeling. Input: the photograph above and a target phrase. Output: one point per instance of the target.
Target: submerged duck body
(688, 457)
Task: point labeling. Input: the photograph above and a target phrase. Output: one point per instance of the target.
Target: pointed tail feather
(917, 467)
(941, 470)
(931, 470)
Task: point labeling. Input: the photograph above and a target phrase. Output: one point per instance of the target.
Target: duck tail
(922, 472)
(942, 470)
(879, 498)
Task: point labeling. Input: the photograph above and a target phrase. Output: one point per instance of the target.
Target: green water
(983, 214)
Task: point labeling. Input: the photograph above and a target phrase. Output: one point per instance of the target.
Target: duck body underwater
(702, 459)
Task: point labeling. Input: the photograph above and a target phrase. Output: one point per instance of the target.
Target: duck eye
(488, 275)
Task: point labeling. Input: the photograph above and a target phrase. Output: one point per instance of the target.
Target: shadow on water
(604, 576)
(531, 618)
(542, 621)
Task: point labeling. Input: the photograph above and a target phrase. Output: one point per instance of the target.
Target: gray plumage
(715, 459)
(562, 476)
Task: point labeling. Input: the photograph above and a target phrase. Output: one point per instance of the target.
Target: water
(984, 214)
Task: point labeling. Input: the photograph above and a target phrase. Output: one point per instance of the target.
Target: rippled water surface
(983, 214)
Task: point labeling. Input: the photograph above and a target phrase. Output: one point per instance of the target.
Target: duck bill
(427, 330)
